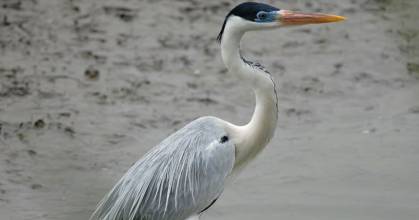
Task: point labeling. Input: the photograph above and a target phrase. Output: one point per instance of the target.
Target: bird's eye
(261, 15)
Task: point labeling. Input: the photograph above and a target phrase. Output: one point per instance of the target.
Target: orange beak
(299, 18)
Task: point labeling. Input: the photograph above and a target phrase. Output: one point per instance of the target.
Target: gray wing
(179, 177)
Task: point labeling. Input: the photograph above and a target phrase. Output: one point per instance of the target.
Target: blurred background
(88, 86)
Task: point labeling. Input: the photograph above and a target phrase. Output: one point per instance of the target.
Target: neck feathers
(251, 138)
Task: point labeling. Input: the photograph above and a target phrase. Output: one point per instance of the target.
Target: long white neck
(251, 138)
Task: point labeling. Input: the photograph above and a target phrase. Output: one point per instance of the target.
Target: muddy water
(87, 87)
(406, 18)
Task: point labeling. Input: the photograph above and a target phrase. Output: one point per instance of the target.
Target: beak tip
(342, 18)
(334, 18)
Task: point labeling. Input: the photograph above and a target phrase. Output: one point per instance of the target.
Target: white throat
(251, 138)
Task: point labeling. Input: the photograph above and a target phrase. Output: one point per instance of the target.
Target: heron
(185, 174)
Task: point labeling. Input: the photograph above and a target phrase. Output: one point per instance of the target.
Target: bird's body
(175, 178)
(186, 173)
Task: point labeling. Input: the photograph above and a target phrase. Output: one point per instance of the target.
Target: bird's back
(179, 177)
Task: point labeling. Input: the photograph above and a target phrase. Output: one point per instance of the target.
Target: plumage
(247, 11)
(184, 173)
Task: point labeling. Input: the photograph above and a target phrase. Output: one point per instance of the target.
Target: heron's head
(258, 16)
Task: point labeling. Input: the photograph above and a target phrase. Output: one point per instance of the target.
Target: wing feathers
(179, 177)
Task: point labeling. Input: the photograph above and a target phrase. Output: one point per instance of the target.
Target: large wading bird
(183, 176)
